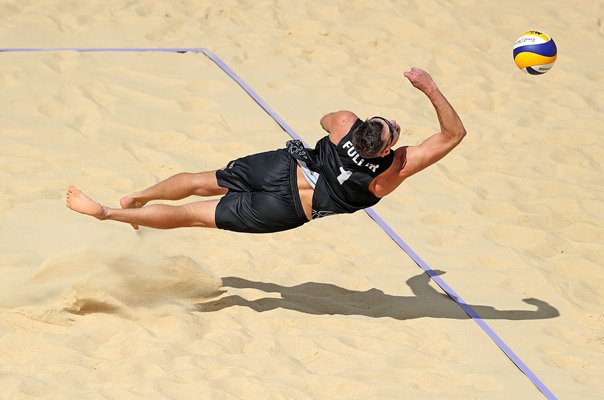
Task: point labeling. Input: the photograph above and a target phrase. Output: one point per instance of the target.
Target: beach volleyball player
(350, 169)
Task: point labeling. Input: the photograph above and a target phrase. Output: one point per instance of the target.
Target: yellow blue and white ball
(535, 52)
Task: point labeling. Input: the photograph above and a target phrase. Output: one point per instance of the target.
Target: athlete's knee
(206, 184)
(201, 214)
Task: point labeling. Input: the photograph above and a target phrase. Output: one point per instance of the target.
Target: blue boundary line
(389, 231)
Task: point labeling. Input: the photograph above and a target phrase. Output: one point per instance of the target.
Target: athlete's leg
(201, 213)
(175, 188)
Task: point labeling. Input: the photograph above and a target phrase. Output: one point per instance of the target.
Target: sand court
(96, 310)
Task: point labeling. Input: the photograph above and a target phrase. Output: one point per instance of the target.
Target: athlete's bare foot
(78, 201)
(129, 202)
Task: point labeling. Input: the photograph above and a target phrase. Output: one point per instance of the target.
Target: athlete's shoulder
(387, 181)
(338, 120)
(338, 124)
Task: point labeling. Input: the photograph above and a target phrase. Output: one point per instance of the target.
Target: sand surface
(513, 219)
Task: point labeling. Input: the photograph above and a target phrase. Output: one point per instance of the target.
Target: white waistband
(310, 176)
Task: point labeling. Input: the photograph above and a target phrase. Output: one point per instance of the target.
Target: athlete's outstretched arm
(452, 130)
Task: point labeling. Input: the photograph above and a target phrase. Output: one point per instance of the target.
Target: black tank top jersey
(344, 176)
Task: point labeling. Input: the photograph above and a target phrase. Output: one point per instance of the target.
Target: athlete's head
(374, 137)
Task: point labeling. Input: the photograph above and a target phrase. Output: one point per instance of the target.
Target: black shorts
(263, 194)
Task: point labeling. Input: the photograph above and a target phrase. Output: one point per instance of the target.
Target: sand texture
(512, 220)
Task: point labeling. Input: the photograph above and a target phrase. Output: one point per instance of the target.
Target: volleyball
(535, 52)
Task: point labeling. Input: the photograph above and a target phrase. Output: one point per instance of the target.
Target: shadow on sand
(328, 299)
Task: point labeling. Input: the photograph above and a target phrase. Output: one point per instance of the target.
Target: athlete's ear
(386, 151)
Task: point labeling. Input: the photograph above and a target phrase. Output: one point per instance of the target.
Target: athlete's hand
(420, 79)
